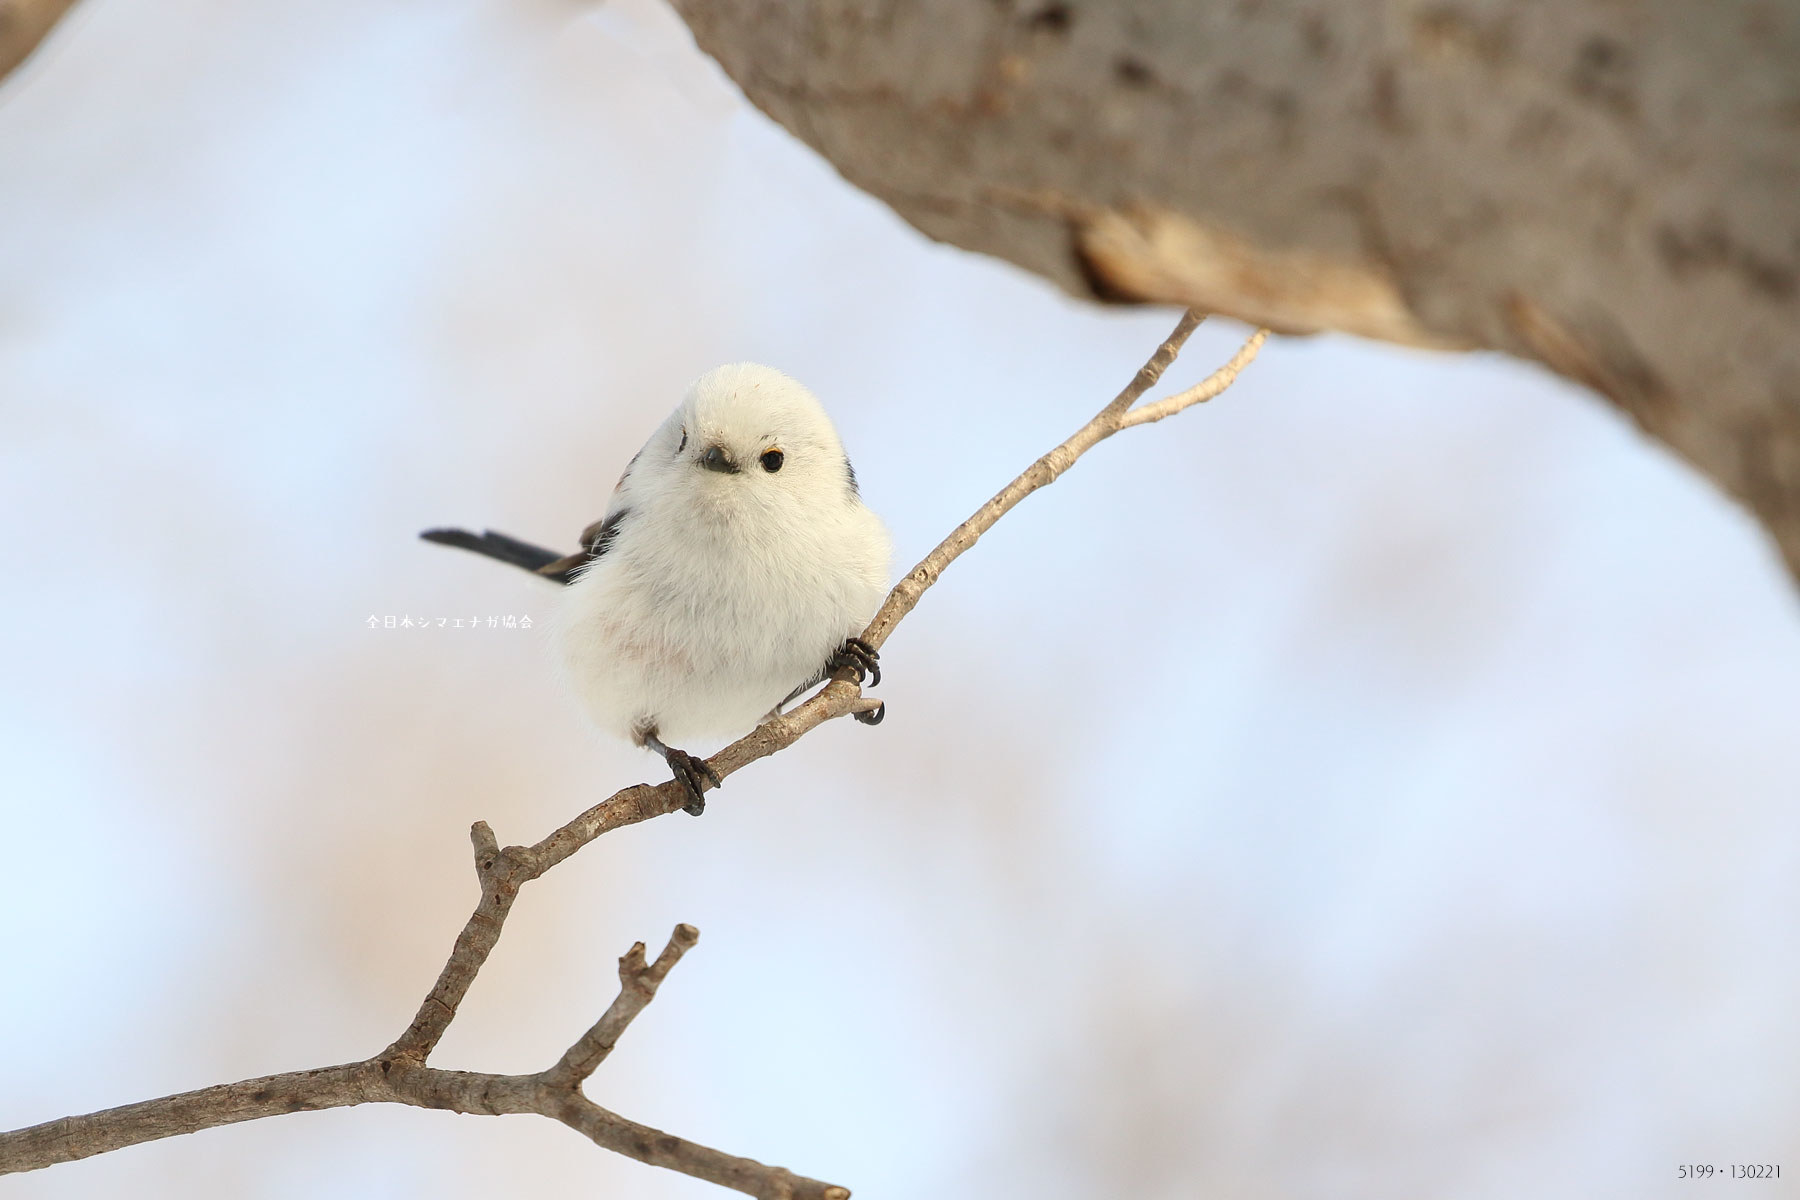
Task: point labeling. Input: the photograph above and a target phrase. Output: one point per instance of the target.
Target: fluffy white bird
(732, 570)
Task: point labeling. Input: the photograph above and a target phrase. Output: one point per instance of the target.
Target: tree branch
(70, 1138)
(1115, 416)
(1201, 392)
(637, 987)
(399, 1074)
(23, 24)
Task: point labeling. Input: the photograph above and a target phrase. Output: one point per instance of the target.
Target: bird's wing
(595, 540)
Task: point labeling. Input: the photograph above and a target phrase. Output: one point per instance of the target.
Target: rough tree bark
(1609, 187)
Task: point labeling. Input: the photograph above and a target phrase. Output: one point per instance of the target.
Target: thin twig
(1201, 392)
(400, 1075)
(1115, 416)
(637, 987)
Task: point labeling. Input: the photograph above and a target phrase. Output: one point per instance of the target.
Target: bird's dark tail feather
(523, 555)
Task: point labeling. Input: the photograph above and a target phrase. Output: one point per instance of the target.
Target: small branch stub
(637, 987)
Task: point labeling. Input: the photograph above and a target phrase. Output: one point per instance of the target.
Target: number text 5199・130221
(1733, 1171)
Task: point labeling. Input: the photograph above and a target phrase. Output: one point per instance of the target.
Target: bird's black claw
(873, 716)
(693, 772)
(860, 657)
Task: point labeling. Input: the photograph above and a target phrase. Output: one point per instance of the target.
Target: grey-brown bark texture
(1610, 187)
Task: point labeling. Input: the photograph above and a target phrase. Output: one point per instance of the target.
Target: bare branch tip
(680, 942)
(1153, 367)
(487, 847)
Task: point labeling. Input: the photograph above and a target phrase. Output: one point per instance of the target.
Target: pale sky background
(1378, 783)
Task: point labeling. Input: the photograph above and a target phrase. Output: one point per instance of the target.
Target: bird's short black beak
(715, 459)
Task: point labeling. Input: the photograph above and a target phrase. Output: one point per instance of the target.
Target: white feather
(719, 594)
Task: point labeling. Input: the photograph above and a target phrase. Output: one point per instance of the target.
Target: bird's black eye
(771, 461)
(683, 445)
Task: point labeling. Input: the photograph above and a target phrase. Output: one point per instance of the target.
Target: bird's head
(747, 436)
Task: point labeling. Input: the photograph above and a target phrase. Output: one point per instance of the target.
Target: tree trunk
(1609, 187)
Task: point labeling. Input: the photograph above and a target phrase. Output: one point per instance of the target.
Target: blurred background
(1378, 783)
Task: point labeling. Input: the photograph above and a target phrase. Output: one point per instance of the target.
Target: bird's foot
(694, 773)
(860, 657)
(691, 771)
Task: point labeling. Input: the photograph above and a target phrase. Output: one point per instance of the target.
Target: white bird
(733, 568)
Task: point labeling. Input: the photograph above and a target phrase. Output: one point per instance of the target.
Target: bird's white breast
(701, 618)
